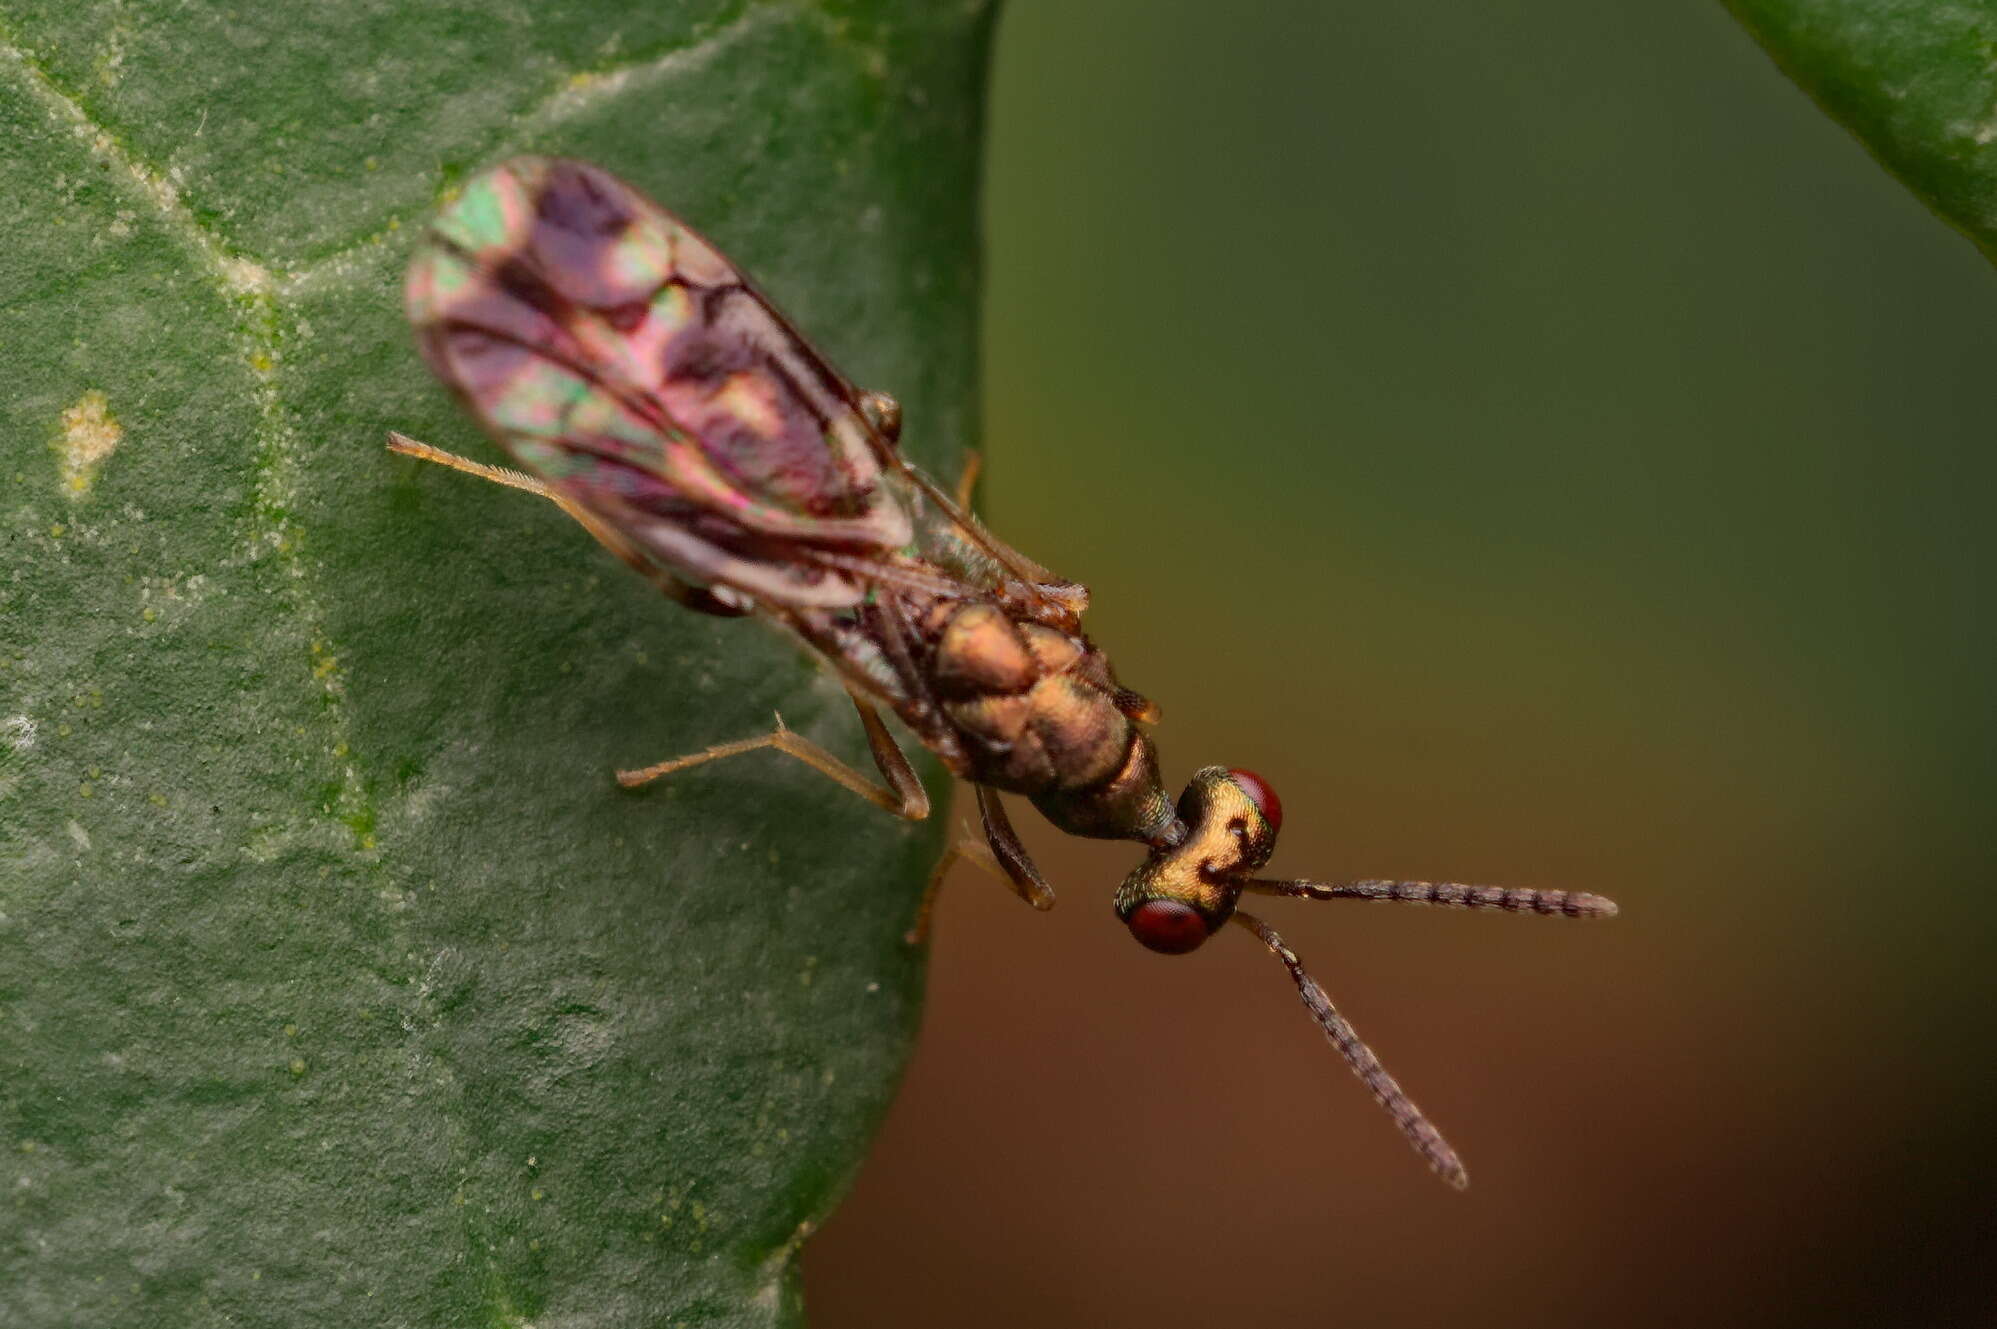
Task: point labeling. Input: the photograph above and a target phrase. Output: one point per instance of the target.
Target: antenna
(1444, 894)
(1421, 1132)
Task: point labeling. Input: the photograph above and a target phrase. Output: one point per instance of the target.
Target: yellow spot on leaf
(90, 433)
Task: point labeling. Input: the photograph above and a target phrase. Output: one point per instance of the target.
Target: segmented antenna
(1421, 1133)
(1447, 895)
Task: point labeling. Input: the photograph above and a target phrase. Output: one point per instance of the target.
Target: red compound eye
(1168, 926)
(1262, 796)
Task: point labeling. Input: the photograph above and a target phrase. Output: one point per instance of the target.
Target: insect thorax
(1036, 711)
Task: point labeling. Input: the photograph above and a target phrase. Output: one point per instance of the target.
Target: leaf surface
(1915, 80)
(339, 984)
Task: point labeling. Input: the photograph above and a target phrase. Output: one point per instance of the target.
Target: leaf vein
(156, 187)
(247, 288)
(585, 88)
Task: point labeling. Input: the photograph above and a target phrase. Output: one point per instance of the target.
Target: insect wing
(616, 354)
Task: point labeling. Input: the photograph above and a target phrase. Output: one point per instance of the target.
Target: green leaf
(1915, 80)
(339, 983)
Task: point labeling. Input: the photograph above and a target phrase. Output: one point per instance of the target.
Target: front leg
(999, 853)
(1026, 880)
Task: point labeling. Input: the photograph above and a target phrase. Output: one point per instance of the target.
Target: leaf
(1916, 81)
(339, 984)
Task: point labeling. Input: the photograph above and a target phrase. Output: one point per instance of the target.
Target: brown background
(1551, 453)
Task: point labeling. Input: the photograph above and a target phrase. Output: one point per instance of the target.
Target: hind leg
(693, 597)
(901, 792)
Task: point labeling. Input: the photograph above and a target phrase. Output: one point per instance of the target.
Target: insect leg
(1010, 853)
(693, 597)
(999, 853)
(966, 848)
(892, 762)
(902, 795)
(967, 483)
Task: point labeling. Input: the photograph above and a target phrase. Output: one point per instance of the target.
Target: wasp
(641, 383)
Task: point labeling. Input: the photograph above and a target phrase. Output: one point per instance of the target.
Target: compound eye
(1170, 927)
(1261, 795)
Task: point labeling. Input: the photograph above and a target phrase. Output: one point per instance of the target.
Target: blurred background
(1551, 452)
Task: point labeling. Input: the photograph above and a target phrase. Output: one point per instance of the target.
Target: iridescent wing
(619, 357)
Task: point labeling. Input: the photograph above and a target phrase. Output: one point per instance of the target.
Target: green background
(1551, 451)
